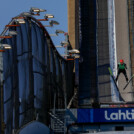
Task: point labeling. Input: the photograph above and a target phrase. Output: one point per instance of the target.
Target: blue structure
(35, 77)
(34, 128)
(108, 115)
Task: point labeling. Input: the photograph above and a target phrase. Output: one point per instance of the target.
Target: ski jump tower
(102, 37)
(105, 37)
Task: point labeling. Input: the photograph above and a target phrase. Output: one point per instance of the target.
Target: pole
(1, 97)
(0, 108)
(2, 124)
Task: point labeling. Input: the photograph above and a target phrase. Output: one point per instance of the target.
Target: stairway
(61, 119)
(58, 121)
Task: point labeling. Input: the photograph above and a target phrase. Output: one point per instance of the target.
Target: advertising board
(102, 115)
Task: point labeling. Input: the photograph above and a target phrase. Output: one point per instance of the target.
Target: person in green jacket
(122, 69)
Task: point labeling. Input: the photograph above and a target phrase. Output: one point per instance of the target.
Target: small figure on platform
(122, 69)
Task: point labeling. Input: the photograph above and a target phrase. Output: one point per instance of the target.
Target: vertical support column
(0, 94)
(15, 86)
(0, 114)
(31, 79)
(88, 88)
(1, 97)
(71, 22)
(48, 92)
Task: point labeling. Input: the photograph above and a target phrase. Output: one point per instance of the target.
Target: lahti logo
(119, 115)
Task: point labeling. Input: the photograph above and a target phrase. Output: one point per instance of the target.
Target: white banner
(112, 47)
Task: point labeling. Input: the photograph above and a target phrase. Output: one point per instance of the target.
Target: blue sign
(105, 115)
